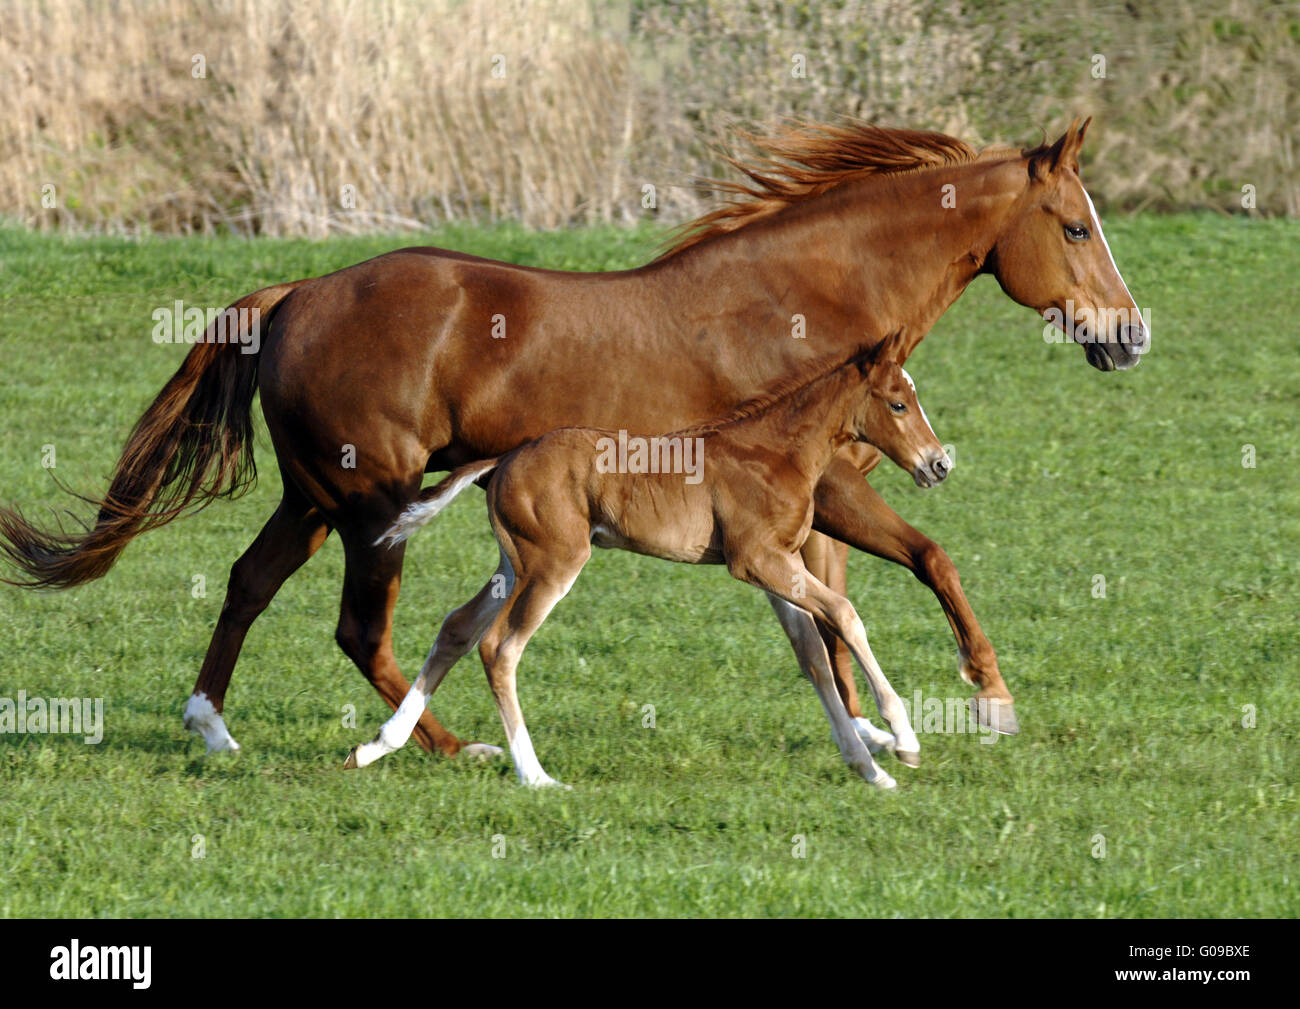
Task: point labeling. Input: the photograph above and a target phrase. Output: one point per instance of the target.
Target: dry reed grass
(402, 101)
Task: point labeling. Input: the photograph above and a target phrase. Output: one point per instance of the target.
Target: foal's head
(1052, 256)
(890, 417)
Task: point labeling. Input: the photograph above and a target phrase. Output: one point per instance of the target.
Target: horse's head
(890, 417)
(1052, 257)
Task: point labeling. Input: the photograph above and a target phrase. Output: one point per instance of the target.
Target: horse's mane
(802, 159)
(780, 391)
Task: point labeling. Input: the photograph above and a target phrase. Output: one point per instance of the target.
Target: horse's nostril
(941, 468)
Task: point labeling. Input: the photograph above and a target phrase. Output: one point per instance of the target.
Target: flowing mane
(803, 159)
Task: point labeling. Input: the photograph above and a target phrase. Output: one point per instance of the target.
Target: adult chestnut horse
(423, 360)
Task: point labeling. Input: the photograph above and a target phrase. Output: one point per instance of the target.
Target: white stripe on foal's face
(912, 386)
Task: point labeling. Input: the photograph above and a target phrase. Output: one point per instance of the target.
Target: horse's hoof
(877, 740)
(480, 751)
(909, 758)
(995, 714)
(885, 782)
(351, 763)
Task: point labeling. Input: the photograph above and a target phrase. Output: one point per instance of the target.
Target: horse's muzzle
(933, 468)
(1122, 351)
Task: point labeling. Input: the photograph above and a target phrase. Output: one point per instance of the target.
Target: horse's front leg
(808, 640)
(780, 575)
(828, 559)
(849, 509)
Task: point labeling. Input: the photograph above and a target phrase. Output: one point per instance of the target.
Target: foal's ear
(1062, 154)
(884, 349)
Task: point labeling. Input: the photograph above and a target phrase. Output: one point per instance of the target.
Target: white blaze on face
(1096, 228)
(912, 385)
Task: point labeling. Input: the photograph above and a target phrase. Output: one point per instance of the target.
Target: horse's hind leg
(539, 587)
(293, 533)
(365, 630)
(459, 633)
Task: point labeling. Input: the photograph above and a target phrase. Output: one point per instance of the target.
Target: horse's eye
(1077, 232)
(898, 407)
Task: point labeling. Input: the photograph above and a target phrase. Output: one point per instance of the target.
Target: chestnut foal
(747, 502)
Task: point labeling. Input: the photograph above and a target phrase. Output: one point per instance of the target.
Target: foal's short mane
(803, 159)
(780, 392)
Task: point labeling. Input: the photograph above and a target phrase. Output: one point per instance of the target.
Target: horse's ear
(1062, 154)
(870, 354)
(883, 349)
(1079, 134)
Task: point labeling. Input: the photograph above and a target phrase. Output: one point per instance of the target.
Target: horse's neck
(926, 235)
(869, 257)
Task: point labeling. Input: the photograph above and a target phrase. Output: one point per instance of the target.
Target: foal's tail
(192, 446)
(432, 500)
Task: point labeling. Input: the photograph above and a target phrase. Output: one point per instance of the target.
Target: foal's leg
(460, 632)
(288, 539)
(828, 560)
(804, 632)
(777, 574)
(849, 509)
(365, 629)
(843, 731)
(543, 580)
(809, 649)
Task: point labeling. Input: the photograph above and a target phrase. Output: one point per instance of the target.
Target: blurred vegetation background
(314, 117)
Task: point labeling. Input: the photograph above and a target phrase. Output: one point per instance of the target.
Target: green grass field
(1132, 705)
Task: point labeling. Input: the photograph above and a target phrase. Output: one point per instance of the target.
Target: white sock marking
(876, 739)
(527, 766)
(202, 717)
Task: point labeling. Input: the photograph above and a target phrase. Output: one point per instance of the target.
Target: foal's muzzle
(933, 468)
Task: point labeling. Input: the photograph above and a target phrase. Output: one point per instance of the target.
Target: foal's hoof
(351, 763)
(480, 751)
(996, 714)
(546, 782)
(877, 740)
(910, 758)
(885, 782)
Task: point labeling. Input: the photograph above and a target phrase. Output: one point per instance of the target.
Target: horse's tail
(432, 500)
(192, 446)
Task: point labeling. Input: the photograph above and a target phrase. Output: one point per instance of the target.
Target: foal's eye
(1077, 233)
(899, 408)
